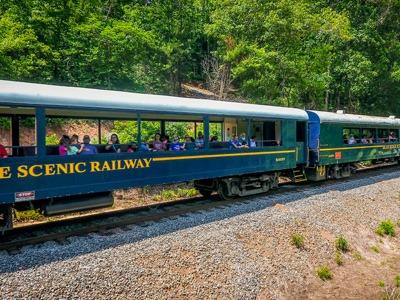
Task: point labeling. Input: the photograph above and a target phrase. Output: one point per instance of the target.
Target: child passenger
(3, 152)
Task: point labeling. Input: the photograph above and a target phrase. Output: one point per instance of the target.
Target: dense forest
(320, 54)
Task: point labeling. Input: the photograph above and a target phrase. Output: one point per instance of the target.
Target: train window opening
(300, 131)
(383, 135)
(367, 135)
(272, 133)
(351, 135)
(6, 135)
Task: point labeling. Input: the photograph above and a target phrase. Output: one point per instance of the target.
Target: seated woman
(188, 144)
(157, 143)
(199, 141)
(65, 147)
(391, 137)
(113, 144)
(352, 140)
(175, 145)
(3, 152)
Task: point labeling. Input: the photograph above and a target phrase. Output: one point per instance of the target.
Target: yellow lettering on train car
(130, 163)
(49, 169)
(36, 170)
(78, 168)
(62, 169)
(22, 171)
(5, 172)
(147, 162)
(94, 166)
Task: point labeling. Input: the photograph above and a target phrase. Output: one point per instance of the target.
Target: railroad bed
(237, 251)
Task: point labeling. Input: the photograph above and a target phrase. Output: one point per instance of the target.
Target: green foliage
(381, 283)
(324, 273)
(52, 139)
(5, 123)
(397, 281)
(166, 195)
(386, 227)
(298, 240)
(342, 244)
(27, 215)
(339, 258)
(314, 54)
(375, 249)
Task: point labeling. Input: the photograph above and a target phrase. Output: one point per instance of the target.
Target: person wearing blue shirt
(87, 147)
(175, 145)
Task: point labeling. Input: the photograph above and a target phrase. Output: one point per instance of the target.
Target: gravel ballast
(243, 251)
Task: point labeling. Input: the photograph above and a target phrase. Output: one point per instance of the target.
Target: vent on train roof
(392, 117)
(341, 112)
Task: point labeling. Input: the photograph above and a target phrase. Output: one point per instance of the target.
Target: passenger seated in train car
(345, 139)
(3, 152)
(370, 140)
(188, 144)
(165, 142)
(175, 145)
(113, 146)
(392, 137)
(235, 143)
(242, 138)
(199, 142)
(144, 147)
(364, 140)
(278, 143)
(88, 148)
(64, 144)
(352, 140)
(253, 143)
(75, 140)
(157, 143)
(132, 147)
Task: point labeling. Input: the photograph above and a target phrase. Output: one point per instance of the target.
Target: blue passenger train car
(274, 139)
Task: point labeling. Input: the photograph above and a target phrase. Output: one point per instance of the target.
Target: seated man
(188, 144)
(88, 148)
(391, 137)
(235, 142)
(253, 142)
(3, 152)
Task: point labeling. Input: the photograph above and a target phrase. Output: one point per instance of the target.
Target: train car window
(383, 135)
(367, 135)
(27, 136)
(300, 131)
(5, 134)
(351, 135)
(272, 133)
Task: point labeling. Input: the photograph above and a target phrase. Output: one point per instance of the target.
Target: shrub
(342, 244)
(339, 258)
(52, 139)
(298, 240)
(375, 249)
(381, 283)
(324, 273)
(386, 228)
(357, 255)
(397, 281)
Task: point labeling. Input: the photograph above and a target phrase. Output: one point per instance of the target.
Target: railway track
(62, 229)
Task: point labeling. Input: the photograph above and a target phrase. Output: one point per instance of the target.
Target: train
(306, 144)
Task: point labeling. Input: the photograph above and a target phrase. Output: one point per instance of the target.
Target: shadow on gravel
(50, 252)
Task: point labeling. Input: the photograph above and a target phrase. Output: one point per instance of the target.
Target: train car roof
(22, 94)
(342, 118)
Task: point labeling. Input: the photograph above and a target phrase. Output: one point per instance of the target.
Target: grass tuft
(342, 244)
(386, 227)
(298, 240)
(324, 273)
(339, 258)
(375, 249)
(176, 194)
(357, 256)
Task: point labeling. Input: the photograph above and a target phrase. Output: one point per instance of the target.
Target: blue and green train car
(338, 140)
(36, 174)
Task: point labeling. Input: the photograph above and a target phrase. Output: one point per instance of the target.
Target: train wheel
(205, 193)
(6, 218)
(223, 191)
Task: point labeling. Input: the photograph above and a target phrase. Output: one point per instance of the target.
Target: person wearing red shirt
(3, 152)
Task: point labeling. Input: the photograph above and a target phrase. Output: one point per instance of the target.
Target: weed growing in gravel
(342, 244)
(391, 291)
(324, 273)
(175, 194)
(298, 240)
(375, 249)
(339, 258)
(386, 228)
(28, 215)
(357, 255)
